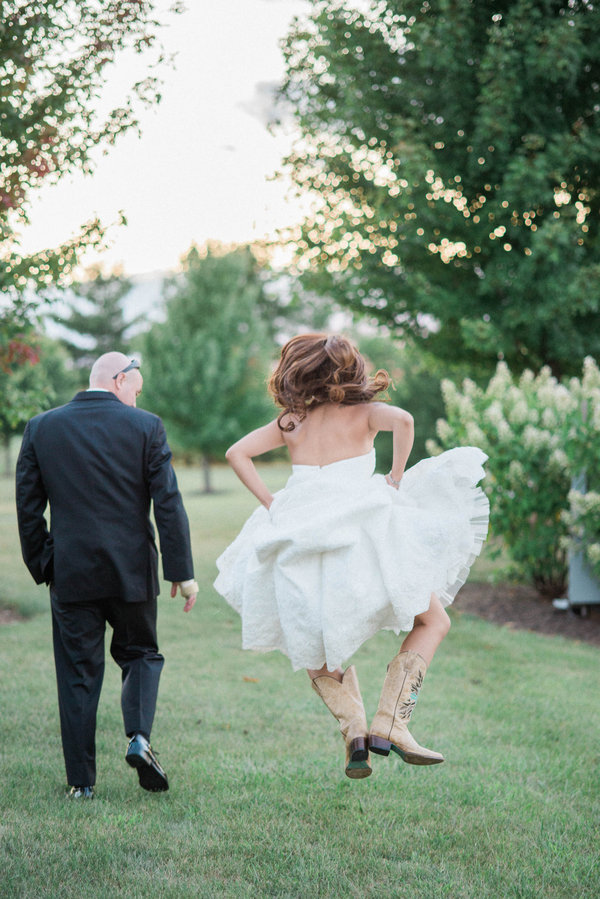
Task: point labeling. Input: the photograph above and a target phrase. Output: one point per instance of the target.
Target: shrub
(582, 444)
(539, 434)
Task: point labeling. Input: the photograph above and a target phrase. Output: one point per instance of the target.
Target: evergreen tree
(98, 324)
(205, 367)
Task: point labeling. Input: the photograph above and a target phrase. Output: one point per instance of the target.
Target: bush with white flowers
(582, 441)
(539, 434)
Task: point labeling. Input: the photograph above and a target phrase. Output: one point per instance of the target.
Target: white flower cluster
(591, 374)
(559, 460)
(450, 394)
(593, 555)
(584, 503)
(564, 401)
(500, 382)
(475, 435)
(494, 414)
(516, 474)
(539, 434)
(582, 520)
(519, 412)
(535, 439)
(443, 429)
(586, 392)
(433, 448)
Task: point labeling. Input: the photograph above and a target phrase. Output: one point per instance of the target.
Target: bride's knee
(438, 616)
(444, 622)
(435, 619)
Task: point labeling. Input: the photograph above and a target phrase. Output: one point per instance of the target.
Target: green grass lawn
(259, 805)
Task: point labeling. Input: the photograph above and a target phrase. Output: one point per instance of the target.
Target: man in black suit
(100, 462)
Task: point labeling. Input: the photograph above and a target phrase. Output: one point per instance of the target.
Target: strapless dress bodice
(353, 467)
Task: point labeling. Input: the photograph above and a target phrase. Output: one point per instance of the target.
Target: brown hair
(321, 368)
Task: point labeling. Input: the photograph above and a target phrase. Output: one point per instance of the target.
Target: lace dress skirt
(341, 555)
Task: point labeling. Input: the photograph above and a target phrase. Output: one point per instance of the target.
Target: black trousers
(78, 635)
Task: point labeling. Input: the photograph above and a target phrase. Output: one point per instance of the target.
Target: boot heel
(379, 745)
(359, 749)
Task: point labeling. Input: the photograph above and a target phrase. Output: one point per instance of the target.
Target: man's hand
(189, 590)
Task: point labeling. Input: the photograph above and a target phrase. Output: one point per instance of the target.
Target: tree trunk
(206, 473)
(7, 459)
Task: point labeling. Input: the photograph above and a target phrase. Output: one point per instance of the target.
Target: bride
(341, 553)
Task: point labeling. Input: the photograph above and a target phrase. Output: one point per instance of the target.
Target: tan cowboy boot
(345, 703)
(389, 729)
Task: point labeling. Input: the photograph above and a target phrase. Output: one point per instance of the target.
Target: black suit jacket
(99, 464)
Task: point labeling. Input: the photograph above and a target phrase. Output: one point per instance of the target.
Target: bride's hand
(392, 482)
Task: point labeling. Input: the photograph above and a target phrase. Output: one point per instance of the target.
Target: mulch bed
(509, 605)
(521, 607)
(7, 616)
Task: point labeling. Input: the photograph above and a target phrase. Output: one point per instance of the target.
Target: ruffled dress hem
(341, 555)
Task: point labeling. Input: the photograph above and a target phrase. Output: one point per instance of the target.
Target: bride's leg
(341, 694)
(401, 687)
(428, 631)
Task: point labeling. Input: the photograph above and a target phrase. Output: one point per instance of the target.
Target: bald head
(127, 385)
(105, 368)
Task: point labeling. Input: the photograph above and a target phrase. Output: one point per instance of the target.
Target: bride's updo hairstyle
(321, 368)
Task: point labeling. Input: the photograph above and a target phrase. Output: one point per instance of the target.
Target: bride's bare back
(328, 415)
(330, 432)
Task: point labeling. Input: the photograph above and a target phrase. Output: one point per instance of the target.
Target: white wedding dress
(341, 554)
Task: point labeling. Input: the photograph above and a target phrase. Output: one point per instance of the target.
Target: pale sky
(201, 167)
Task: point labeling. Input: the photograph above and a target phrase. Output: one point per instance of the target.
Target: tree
(33, 377)
(53, 58)
(100, 319)
(454, 149)
(17, 404)
(205, 367)
(542, 438)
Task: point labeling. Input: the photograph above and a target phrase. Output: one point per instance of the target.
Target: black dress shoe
(81, 793)
(139, 755)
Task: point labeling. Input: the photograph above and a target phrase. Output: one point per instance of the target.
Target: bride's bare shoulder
(384, 414)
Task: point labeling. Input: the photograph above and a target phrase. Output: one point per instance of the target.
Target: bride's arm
(240, 457)
(400, 422)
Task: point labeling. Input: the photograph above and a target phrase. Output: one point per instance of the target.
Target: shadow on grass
(211, 492)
